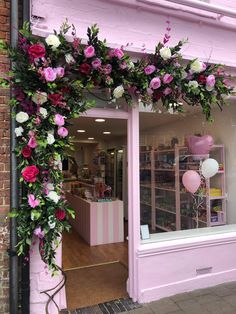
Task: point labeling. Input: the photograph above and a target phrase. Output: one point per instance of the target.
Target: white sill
(190, 234)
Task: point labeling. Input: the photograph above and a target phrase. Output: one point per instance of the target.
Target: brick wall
(4, 163)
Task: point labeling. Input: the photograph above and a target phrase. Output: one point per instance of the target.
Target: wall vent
(203, 271)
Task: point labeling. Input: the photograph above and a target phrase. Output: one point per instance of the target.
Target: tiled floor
(216, 300)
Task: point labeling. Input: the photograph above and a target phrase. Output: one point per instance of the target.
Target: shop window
(187, 170)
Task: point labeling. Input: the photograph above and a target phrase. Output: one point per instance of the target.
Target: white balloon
(209, 168)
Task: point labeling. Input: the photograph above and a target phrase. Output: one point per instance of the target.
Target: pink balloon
(200, 145)
(191, 181)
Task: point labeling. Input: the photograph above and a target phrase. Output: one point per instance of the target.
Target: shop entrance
(95, 252)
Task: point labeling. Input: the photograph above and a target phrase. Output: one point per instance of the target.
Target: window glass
(187, 170)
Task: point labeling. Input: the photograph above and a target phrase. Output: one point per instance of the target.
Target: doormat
(116, 306)
(90, 286)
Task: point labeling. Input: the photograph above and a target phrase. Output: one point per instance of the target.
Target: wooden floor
(77, 253)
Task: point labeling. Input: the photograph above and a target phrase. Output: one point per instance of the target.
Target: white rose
(184, 74)
(50, 186)
(118, 91)
(53, 196)
(193, 84)
(130, 65)
(209, 88)
(39, 98)
(43, 111)
(50, 139)
(69, 58)
(165, 53)
(53, 41)
(196, 66)
(22, 117)
(19, 131)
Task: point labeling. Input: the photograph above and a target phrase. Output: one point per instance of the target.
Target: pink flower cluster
(50, 74)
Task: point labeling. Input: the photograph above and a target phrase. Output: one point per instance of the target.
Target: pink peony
(149, 69)
(59, 119)
(96, 64)
(89, 52)
(63, 132)
(210, 80)
(155, 83)
(39, 233)
(167, 78)
(167, 91)
(32, 142)
(49, 74)
(32, 201)
(60, 72)
(107, 69)
(118, 53)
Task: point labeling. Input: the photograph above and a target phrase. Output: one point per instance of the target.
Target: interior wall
(223, 130)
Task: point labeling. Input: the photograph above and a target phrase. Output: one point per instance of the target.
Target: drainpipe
(13, 276)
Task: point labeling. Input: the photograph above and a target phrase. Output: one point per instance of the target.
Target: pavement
(219, 299)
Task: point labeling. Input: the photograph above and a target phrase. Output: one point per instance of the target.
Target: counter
(97, 222)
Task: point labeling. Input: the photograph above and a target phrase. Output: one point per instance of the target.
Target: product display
(166, 203)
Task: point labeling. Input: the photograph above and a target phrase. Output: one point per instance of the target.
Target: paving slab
(164, 306)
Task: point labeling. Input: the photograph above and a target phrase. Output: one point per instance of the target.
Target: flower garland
(50, 78)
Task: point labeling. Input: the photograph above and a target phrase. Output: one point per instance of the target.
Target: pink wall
(137, 22)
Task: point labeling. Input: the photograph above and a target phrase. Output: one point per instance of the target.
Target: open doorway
(95, 252)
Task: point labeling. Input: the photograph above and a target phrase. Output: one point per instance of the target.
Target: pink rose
(149, 69)
(118, 53)
(167, 91)
(203, 66)
(167, 78)
(210, 80)
(37, 121)
(149, 91)
(60, 72)
(32, 142)
(49, 74)
(32, 201)
(96, 64)
(59, 119)
(155, 83)
(89, 52)
(63, 132)
(39, 233)
(107, 69)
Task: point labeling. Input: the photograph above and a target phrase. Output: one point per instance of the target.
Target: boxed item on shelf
(215, 192)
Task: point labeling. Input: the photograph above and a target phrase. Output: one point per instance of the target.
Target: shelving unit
(165, 204)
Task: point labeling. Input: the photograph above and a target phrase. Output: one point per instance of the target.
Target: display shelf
(163, 228)
(144, 203)
(160, 169)
(165, 210)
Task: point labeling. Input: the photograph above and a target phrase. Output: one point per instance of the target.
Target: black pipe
(13, 276)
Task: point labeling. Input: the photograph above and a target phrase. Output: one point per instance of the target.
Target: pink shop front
(178, 170)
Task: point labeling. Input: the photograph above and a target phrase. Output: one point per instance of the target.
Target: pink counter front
(97, 222)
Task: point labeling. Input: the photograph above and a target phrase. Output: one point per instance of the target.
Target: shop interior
(95, 253)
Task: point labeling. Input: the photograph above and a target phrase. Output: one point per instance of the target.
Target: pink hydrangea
(32, 201)
(63, 132)
(167, 78)
(89, 52)
(155, 83)
(149, 69)
(96, 64)
(39, 233)
(60, 72)
(49, 74)
(59, 119)
(32, 142)
(210, 80)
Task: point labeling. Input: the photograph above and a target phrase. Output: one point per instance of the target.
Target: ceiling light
(120, 151)
(106, 132)
(100, 120)
(112, 153)
(90, 138)
(81, 131)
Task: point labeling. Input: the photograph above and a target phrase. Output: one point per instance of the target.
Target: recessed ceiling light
(112, 153)
(106, 132)
(81, 131)
(90, 138)
(100, 120)
(120, 151)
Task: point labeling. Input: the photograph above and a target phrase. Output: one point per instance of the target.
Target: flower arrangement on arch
(51, 78)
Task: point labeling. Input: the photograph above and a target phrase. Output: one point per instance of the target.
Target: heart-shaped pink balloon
(200, 145)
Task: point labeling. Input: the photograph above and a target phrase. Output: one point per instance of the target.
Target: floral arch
(50, 78)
